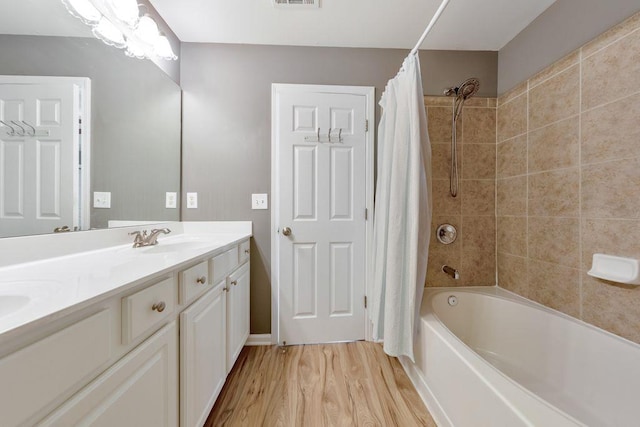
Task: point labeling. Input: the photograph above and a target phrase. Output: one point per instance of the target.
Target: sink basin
(12, 303)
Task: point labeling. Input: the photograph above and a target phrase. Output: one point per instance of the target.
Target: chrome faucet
(451, 272)
(142, 239)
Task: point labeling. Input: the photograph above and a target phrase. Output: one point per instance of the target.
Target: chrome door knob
(286, 231)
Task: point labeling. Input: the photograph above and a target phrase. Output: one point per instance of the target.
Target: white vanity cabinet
(237, 313)
(139, 390)
(202, 356)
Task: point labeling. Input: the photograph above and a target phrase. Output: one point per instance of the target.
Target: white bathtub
(496, 359)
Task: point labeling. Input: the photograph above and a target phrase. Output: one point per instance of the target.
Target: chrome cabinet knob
(225, 289)
(235, 282)
(202, 280)
(246, 251)
(159, 306)
(286, 231)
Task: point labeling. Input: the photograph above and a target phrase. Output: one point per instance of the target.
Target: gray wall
(135, 120)
(563, 27)
(227, 123)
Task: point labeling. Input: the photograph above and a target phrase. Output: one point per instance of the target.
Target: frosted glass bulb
(147, 30)
(162, 48)
(135, 50)
(84, 10)
(108, 33)
(125, 10)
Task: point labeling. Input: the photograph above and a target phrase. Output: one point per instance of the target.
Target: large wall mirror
(135, 126)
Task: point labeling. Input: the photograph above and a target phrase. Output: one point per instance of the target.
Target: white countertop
(41, 290)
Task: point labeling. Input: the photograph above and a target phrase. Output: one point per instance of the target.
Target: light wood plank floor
(351, 384)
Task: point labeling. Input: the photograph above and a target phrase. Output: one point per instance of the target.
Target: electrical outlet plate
(101, 199)
(192, 200)
(171, 200)
(259, 201)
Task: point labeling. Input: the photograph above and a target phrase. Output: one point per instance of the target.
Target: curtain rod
(435, 18)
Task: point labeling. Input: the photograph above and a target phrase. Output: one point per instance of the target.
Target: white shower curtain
(402, 218)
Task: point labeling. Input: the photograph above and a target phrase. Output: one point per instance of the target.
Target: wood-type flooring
(350, 384)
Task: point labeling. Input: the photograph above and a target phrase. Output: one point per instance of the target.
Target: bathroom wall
(472, 212)
(563, 27)
(227, 123)
(568, 180)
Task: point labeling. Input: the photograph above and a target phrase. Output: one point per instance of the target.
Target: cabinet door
(202, 356)
(140, 390)
(237, 313)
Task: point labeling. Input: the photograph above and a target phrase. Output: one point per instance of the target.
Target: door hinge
(365, 301)
(366, 214)
(80, 126)
(366, 125)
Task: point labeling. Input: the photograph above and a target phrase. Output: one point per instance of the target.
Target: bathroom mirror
(135, 123)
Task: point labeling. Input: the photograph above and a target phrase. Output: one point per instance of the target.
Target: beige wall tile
(612, 189)
(512, 274)
(555, 68)
(554, 146)
(554, 193)
(438, 101)
(478, 197)
(512, 235)
(439, 123)
(612, 307)
(480, 161)
(512, 118)
(479, 125)
(441, 159)
(555, 286)
(512, 157)
(555, 99)
(609, 236)
(478, 251)
(611, 35)
(443, 203)
(555, 240)
(513, 93)
(479, 102)
(611, 131)
(608, 74)
(511, 196)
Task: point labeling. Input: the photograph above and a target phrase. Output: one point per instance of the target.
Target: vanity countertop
(42, 290)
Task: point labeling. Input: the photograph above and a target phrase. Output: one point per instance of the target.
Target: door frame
(369, 93)
(82, 201)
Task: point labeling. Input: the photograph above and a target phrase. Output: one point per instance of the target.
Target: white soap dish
(615, 269)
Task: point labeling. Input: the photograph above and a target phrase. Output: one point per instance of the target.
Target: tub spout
(451, 272)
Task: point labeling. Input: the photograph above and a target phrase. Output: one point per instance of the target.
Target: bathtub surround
(568, 180)
(227, 123)
(472, 212)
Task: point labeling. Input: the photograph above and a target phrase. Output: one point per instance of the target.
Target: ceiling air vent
(306, 4)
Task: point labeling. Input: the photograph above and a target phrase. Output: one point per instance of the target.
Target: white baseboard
(259, 339)
(430, 401)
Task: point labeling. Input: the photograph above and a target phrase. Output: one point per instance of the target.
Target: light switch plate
(171, 200)
(101, 199)
(259, 201)
(192, 200)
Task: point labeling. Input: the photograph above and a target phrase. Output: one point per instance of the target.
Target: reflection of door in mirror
(41, 147)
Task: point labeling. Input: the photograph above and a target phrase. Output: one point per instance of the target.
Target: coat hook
(24, 132)
(329, 134)
(12, 132)
(340, 135)
(318, 135)
(33, 130)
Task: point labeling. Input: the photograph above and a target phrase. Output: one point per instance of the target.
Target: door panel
(322, 198)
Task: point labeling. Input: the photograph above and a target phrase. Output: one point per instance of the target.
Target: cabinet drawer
(147, 308)
(194, 281)
(222, 264)
(35, 376)
(244, 251)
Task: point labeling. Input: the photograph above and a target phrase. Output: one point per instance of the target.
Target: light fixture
(118, 23)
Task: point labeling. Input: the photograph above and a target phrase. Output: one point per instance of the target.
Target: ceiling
(352, 23)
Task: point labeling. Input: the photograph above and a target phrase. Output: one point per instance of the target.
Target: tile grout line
(616, 40)
(580, 254)
(528, 288)
(495, 198)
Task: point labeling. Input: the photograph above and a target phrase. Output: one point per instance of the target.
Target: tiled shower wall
(473, 211)
(568, 180)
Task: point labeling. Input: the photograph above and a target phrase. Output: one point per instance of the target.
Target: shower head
(466, 90)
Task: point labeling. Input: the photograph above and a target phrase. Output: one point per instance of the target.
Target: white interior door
(321, 196)
(39, 177)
